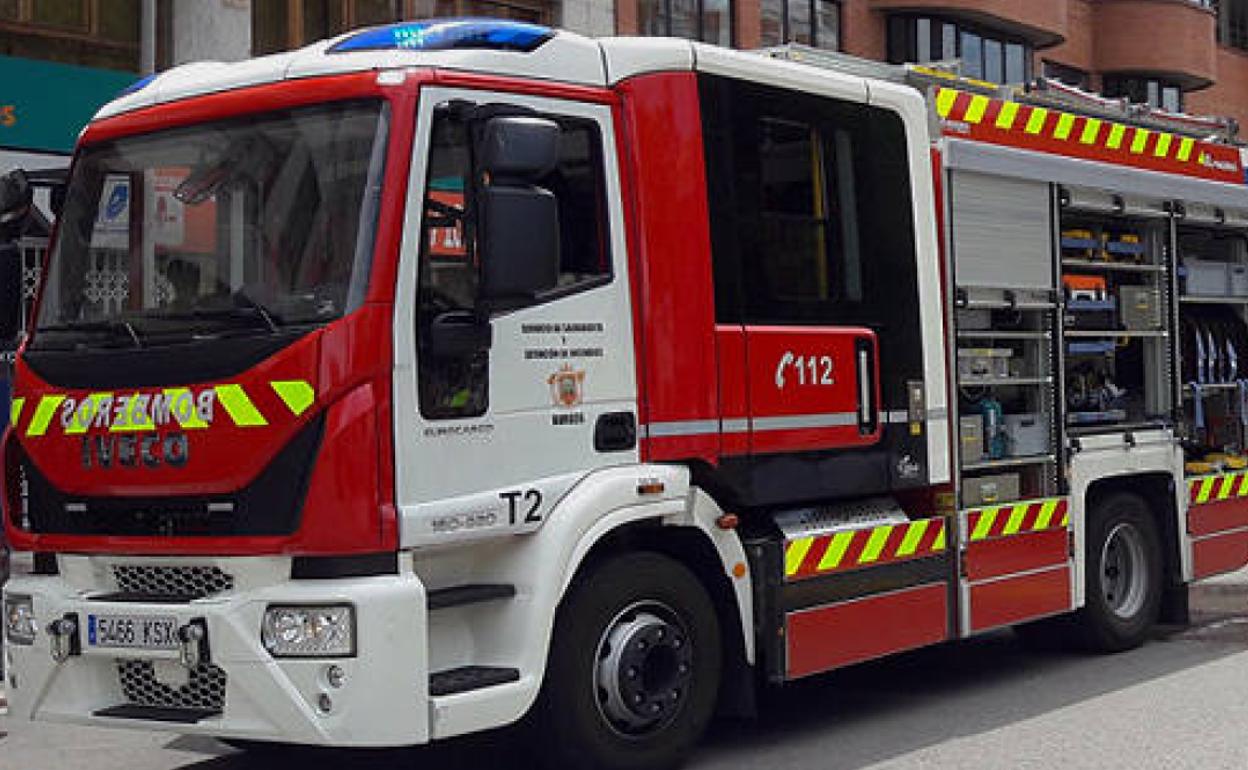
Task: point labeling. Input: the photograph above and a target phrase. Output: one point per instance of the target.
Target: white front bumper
(384, 700)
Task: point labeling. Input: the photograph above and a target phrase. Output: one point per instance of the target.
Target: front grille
(181, 582)
(204, 689)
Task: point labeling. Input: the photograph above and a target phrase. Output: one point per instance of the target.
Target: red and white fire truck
(449, 374)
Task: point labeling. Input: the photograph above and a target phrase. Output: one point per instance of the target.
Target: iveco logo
(129, 451)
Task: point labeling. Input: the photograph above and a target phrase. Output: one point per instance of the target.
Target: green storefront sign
(43, 105)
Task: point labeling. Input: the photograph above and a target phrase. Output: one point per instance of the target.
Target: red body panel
(1016, 599)
(1217, 554)
(1020, 553)
(671, 257)
(1218, 516)
(1219, 533)
(836, 635)
(734, 398)
(806, 373)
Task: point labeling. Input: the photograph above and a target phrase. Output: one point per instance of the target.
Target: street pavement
(1181, 701)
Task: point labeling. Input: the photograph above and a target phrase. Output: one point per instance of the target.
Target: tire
(1123, 575)
(638, 626)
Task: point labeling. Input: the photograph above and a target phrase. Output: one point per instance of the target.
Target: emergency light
(447, 34)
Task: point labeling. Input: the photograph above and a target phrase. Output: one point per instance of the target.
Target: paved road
(1179, 702)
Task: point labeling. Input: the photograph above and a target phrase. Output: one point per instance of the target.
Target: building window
(1071, 76)
(707, 20)
(984, 54)
(1154, 92)
(809, 22)
(1233, 23)
(93, 33)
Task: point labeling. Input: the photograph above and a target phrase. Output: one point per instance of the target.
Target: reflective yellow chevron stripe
(985, 524)
(84, 417)
(944, 101)
(43, 415)
(1091, 130)
(1035, 124)
(187, 418)
(15, 411)
(1065, 123)
(1186, 145)
(1116, 134)
(1140, 141)
(913, 536)
(1163, 145)
(1005, 118)
(795, 553)
(836, 550)
(1206, 489)
(1046, 514)
(975, 111)
(296, 394)
(1017, 514)
(875, 545)
(239, 406)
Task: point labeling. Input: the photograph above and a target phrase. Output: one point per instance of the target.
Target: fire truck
(453, 374)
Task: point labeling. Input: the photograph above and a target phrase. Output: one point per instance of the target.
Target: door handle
(864, 358)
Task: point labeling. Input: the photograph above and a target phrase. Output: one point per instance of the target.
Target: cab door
(825, 278)
(489, 439)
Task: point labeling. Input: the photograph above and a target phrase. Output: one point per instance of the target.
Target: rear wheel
(1123, 577)
(634, 668)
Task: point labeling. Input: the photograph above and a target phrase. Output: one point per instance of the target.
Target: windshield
(240, 227)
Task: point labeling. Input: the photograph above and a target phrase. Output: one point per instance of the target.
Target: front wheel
(634, 668)
(1123, 574)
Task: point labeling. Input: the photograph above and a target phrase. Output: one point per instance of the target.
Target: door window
(458, 387)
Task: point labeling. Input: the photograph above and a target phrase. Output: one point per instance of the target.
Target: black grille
(272, 505)
(204, 689)
(181, 582)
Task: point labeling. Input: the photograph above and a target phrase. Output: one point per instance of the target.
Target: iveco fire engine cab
(451, 374)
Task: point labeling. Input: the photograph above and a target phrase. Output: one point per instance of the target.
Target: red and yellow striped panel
(819, 555)
(1017, 518)
(1048, 130)
(1203, 490)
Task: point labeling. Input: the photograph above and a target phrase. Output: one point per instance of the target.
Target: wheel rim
(643, 669)
(1124, 574)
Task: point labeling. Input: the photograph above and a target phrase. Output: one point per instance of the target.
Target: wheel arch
(691, 546)
(1158, 491)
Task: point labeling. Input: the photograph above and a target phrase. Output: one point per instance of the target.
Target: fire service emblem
(566, 386)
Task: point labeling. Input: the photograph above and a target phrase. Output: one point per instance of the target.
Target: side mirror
(518, 234)
(10, 293)
(16, 198)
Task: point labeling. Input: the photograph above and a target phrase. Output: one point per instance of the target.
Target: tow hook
(64, 636)
(190, 639)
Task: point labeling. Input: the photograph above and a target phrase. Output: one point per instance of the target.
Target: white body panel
(381, 703)
(440, 463)
(1106, 456)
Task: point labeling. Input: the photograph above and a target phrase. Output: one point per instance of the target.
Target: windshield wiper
(109, 327)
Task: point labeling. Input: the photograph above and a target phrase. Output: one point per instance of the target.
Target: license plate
(133, 631)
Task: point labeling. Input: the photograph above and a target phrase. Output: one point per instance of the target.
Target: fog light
(20, 625)
(307, 632)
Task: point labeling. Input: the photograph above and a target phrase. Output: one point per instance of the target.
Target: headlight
(302, 632)
(19, 619)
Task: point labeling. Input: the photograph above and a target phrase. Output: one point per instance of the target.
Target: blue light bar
(446, 35)
(137, 85)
